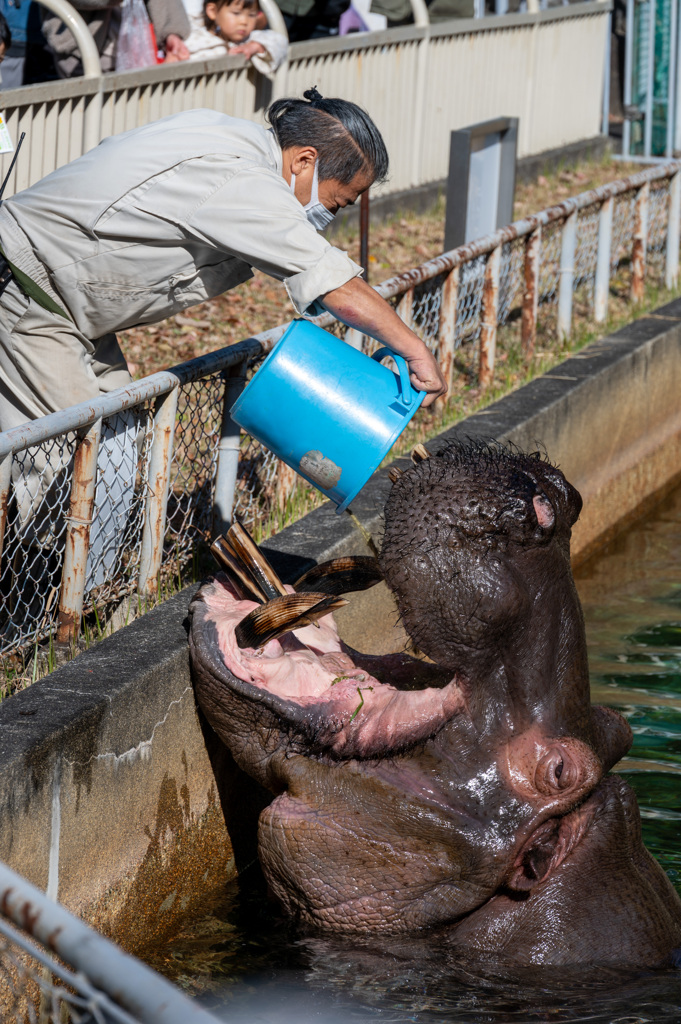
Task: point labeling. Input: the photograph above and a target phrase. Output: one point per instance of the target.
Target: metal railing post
(602, 281)
(671, 266)
(5, 481)
(447, 328)
(405, 308)
(638, 253)
(567, 275)
(528, 323)
(77, 542)
(488, 326)
(160, 460)
(228, 451)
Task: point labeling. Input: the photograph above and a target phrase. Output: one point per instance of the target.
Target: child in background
(230, 26)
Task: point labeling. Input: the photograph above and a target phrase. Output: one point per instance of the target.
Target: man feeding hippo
(468, 793)
(165, 216)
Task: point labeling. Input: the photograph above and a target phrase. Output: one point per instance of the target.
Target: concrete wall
(112, 796)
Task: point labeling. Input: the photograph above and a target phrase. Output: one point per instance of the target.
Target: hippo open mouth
(410, 793)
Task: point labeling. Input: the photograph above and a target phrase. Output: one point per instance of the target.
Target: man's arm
(359, 306)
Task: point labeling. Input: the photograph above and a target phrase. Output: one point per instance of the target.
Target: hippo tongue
(312, 686)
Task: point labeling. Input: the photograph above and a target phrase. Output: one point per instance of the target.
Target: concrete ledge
(107, 787)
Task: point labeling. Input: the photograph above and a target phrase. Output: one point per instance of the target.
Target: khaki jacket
(166, 216)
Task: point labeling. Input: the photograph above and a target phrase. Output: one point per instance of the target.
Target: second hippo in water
(467, 793)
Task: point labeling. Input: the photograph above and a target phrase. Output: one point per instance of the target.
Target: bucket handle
(403, 369)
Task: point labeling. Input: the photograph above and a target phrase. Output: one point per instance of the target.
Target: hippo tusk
(340, 576)
(394, 473)
(419, 454)
(281, 615)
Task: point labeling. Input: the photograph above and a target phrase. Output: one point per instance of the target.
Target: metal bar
(447, 328)
(5, 481)
(228, 452)
(602, 281)
(77, 542)
(638, 253)
(85, 413)
(405, 307)
(671, 268)
(160, 462)
(488, 327)
(650, 84)
(671, 80)
(528, 324)
(364, 233)
(605, 119)
(567, 275)
(144, 993)
(628, 74)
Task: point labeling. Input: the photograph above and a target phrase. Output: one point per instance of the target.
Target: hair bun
(313, 95)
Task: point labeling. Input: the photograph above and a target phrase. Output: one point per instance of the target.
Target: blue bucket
(327, 410)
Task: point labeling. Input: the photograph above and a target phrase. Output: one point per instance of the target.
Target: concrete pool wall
(108, 791)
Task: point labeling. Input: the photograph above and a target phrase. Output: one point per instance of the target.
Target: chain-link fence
(56, 970)
(102, 505)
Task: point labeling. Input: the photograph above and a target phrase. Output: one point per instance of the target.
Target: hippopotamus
(465, 788)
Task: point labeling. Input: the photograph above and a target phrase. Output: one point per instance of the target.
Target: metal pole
(5, 481)
(139, 990)
(628, 73)
(671, 269)
(364, 233)
(638, 255)
(671, 80)
(447, 329)
(77, 543)
(405, 308)
(160, 461)
(567, 275)
(605, 124)
(602, 282)
(228, 451)
(650, 84)
(488, 326)
(528, 326)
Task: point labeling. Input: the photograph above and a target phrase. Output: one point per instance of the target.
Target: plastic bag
(136, 42)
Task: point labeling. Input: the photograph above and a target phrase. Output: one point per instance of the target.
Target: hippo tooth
(340, 576)
(227, 560)
(281, 615)
(419, 454)
(254, 562)
(394, 473)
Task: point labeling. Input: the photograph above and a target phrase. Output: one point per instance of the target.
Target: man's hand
(359, 306)
(248, 49)
(175, 50)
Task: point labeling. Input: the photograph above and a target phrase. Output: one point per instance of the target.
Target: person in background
(13, 34)
(168, 17)
(312, 19)
(231, 26)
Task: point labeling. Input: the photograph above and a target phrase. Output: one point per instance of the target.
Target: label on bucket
(320, 470)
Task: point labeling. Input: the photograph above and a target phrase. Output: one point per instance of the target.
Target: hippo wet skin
(467, 792)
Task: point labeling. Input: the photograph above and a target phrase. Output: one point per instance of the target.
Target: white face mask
(316, 212)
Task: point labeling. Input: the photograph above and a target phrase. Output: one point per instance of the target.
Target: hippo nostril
(559, 769)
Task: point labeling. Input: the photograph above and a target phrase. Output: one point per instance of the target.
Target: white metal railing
(418, 82)
(108, 985)
(122, 487)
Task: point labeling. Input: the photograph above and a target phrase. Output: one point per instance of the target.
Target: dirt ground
(395, 245)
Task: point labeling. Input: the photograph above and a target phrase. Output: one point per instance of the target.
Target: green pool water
(248, 964)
